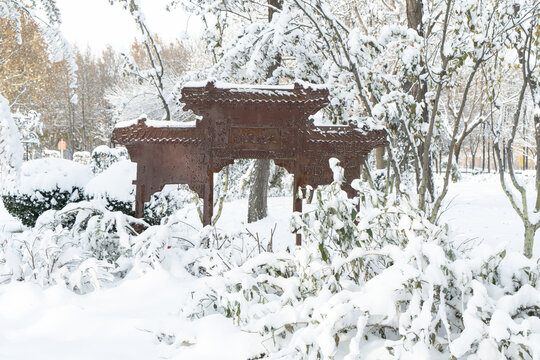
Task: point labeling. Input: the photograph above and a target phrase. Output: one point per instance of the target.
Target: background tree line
(31, 81)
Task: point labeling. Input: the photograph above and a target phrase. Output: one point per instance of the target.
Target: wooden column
(139, 200)
(297, 204)
(208, 201)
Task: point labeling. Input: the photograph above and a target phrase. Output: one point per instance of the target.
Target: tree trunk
(529, 240)
(257, 205)
(504, 157)
(457, 149)
(414, 16)
(537, 138)
(379, 155)
(489, 158)
(483, 147)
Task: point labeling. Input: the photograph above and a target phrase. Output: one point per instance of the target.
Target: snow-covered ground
(120, 322)
(478, 211)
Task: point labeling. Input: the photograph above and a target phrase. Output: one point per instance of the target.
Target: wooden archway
(242, 122)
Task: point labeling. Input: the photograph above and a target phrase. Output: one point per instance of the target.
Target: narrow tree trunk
(414, 15)
(529, 240)
(524, 156)
(537, 138)
(258, 205)
(504, 157)
(483, 147)
(379, 155)
(419, 91)
(489, 158)
(457, 149)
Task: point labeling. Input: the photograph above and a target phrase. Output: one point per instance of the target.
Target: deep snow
(120, 322)
(478, 211)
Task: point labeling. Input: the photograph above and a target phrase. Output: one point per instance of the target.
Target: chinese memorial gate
(242, 122)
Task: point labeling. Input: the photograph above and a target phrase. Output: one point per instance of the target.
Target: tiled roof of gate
(144, 130)
(198, 95)
(346, 135)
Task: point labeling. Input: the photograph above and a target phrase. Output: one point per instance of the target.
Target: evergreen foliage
(28, 207)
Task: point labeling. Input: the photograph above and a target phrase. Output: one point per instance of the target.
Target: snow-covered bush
(114, 186)
(104, 156)
(45, 184)
(81, 245)
(84, 246)
(46, 153)
(379, 282)
(82, 157)
(166, 202)
(30, 127)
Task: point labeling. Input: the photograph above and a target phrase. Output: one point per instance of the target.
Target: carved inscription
(315, 170)
(255, 138)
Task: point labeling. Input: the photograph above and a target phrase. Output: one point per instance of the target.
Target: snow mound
(49, 173)
(115, 183)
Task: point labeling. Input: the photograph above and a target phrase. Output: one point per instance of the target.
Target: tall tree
(155, 73)
(132, 96)
(47, 17)
(525, 41)
(24, 62)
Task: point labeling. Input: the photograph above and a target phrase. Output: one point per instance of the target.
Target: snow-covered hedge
(103, 157)
(82, 255)
(82, 157)
(84, 246)
(45, 184)
(51, 183)
(115, 187)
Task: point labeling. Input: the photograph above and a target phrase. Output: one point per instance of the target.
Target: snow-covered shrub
(30, 127)
(105, 235)
(104, 156)
(166, 202)
(82, 157)
(114, 186)
(81, 245)
(46, 153)
(45, 184)
(379, 282)
(84, 245)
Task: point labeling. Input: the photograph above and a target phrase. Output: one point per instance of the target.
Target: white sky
(95, 23)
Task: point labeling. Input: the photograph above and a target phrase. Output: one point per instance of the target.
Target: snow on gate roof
(198, 95)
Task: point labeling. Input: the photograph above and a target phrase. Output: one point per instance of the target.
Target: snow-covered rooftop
(253, 87)
(156, 123)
